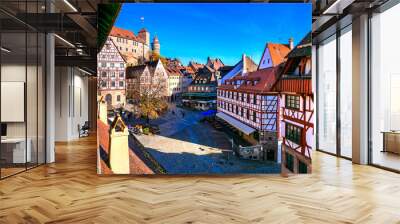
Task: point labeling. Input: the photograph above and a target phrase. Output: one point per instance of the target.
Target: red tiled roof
(188, 69)
(265, 79)
(129, 56)
(278, 52)
(174, 71)
(136, 164)
(299, 86)
(214, 63)
(118, 32)
(195, 66)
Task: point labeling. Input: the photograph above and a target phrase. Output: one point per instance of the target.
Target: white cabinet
(17, 146)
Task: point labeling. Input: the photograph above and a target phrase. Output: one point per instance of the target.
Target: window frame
(289, 159)
(292, 102)
(293, 133)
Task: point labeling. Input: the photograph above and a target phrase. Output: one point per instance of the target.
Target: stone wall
(270, 144)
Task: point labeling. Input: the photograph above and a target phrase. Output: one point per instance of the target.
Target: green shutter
(289, 161)
(293, 133)
(302, 167)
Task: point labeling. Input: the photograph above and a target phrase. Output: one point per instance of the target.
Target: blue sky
(194, 31)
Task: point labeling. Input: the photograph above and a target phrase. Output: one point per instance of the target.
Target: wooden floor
(69, 191)
(387, 159)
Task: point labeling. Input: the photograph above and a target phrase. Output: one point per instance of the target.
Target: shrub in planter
(146, 131)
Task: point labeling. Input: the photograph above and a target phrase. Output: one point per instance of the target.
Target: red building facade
(297, 109)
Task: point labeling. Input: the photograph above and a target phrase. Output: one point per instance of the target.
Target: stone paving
(187, 146)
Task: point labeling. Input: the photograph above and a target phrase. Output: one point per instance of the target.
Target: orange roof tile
(118, 32)
(278, 52)
(174, 71)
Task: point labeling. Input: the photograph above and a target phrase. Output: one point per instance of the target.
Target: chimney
(102, 110)
(291, 43)
(119, 147)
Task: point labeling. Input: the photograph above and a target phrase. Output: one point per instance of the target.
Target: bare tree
(149, 97)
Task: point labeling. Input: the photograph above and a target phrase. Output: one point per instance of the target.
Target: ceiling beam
(78, 61)
(86, 27)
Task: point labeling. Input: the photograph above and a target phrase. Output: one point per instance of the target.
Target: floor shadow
(190, 129)
(215, 163)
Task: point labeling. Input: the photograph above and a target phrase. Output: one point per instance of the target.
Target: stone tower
(144, 35)
(156, 46)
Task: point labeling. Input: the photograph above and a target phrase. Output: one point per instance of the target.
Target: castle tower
(144, 35)
(156, 46)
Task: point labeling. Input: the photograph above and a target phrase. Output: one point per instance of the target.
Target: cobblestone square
(187, 146)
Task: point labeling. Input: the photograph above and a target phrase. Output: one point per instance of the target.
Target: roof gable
(133, 72)
(303, 48)
(214, 63)
(113, 48)
(243, 66)
(273, 55)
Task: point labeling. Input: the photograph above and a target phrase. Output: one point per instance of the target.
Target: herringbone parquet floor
(69, 191)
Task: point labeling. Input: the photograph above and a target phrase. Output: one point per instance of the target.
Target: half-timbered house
(247, 102)
(297, 109)
(201, 94)
(111, 74)
(150, 78)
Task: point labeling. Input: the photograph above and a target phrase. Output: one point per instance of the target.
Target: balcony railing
(295, 84)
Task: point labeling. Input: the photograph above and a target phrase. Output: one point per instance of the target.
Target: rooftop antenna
(142, 20)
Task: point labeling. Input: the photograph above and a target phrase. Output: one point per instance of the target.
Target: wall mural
(206, 89)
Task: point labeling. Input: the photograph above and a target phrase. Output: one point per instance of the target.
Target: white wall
(16, 73)
(33, 126)
(266, 60)
(71, 102)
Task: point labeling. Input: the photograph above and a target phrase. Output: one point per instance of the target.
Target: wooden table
(391, 141)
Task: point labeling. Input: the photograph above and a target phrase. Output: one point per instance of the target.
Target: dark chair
(84, 130)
